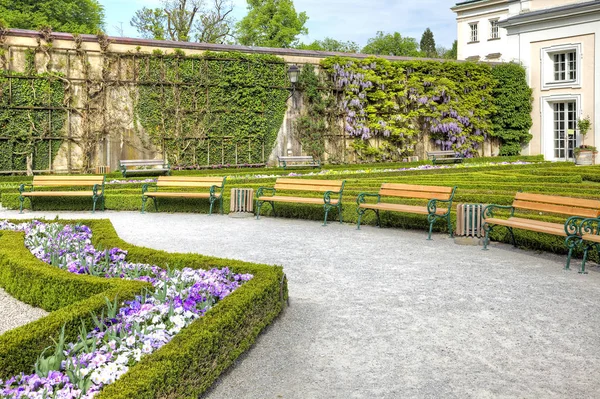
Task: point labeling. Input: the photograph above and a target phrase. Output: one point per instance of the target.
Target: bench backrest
(141, 162)
(309, 185)
(555, 204)
(414, 191)
(67, 180)
(190, 181)
(307, 158)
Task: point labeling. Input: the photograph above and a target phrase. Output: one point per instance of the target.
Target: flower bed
(124, 336)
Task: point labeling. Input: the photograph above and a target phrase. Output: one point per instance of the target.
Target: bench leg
(273, 208)
(360, 215)
(211, 206)
(326, 213)
(155, 200)
(221, 204)
(21, 199)
(378, 218)
(486, 237)
(258, 206)
(430, 229)
(512, 236)
(340, 212)
(95, 199)
(144, 199)
(103, 203)
(585, 255)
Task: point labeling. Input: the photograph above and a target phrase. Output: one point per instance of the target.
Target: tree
(329, 44)
(186, 20)
(453, 53)
(392, 44)
(74, 16)
(271, 23)
(428, 44)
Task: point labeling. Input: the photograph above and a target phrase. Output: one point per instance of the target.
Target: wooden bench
(301, 160)
(215, 185)
(89, 186)
(444, 156)
(329, 188)
(576, 209)
(434, 195)
(145, 166)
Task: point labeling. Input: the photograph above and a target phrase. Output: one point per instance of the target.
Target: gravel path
(14, 313)
(384, 313)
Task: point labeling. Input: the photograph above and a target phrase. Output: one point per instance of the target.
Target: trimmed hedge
(189, 364)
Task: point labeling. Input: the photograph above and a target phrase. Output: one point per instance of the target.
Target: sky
(344, 20)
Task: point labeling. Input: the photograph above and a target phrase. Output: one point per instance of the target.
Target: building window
(561, 66)
(474, 33)
(494, 33)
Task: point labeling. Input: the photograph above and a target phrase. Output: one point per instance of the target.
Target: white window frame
(477, 33)
(547, 66)
(547, 130)
(494, 23)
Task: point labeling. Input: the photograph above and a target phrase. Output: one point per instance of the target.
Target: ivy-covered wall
(454, 106)
(238, 98)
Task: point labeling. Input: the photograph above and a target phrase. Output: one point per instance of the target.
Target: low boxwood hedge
(185, 367)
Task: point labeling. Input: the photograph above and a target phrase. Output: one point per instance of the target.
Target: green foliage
(427, 44)
(319, 119)
(452, 54)
(271, 23)
(187, 100)
(189, 364)
(398, 101)
(150, 23)
(513, 102)
(73, 16)
(329, 44)
(584, 125)
(26, 128)
(392, 44)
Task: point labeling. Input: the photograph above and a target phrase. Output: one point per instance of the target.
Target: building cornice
(551, 14)
(466, 6)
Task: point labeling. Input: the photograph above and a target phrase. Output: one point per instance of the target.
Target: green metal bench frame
(432, 216)
(327, 205)
(283, 161)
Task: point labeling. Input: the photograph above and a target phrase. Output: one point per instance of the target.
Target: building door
(565, 125)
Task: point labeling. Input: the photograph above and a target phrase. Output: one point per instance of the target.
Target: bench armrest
(328, 194)
(148, 186)
(488, 211)
(23, 186)
(432, 206)
(577, 225)
(362, 198)
(261, 190)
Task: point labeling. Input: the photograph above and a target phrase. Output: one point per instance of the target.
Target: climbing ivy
(398, 101)
(25, 125)
(186, 103)
(319, 118)
(513, 99)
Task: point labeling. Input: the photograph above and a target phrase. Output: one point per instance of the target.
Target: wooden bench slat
(414, 187)
(61, 177)
(557, 200)
(422, 210)
(559, 209)
(296, 158)
(189, 179)
(321, 189)
(300, 200)
(179, 194)
(73, 183)
(190, 184)
(310, 182)
(60, 193)
(557, 230)
(414, 194)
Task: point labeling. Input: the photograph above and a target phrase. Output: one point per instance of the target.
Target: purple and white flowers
(126, 333)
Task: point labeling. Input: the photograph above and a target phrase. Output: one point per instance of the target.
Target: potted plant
(584, 154)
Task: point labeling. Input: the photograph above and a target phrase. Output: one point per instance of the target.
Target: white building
(557, 41)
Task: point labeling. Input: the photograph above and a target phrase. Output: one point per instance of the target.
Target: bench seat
(435, 195)
(531, 224)
(422, 210)
(61, 193)
(332, 191)
(302, 160)
(302, 200)
(214, 185)
(147, 166)
(165, 194)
